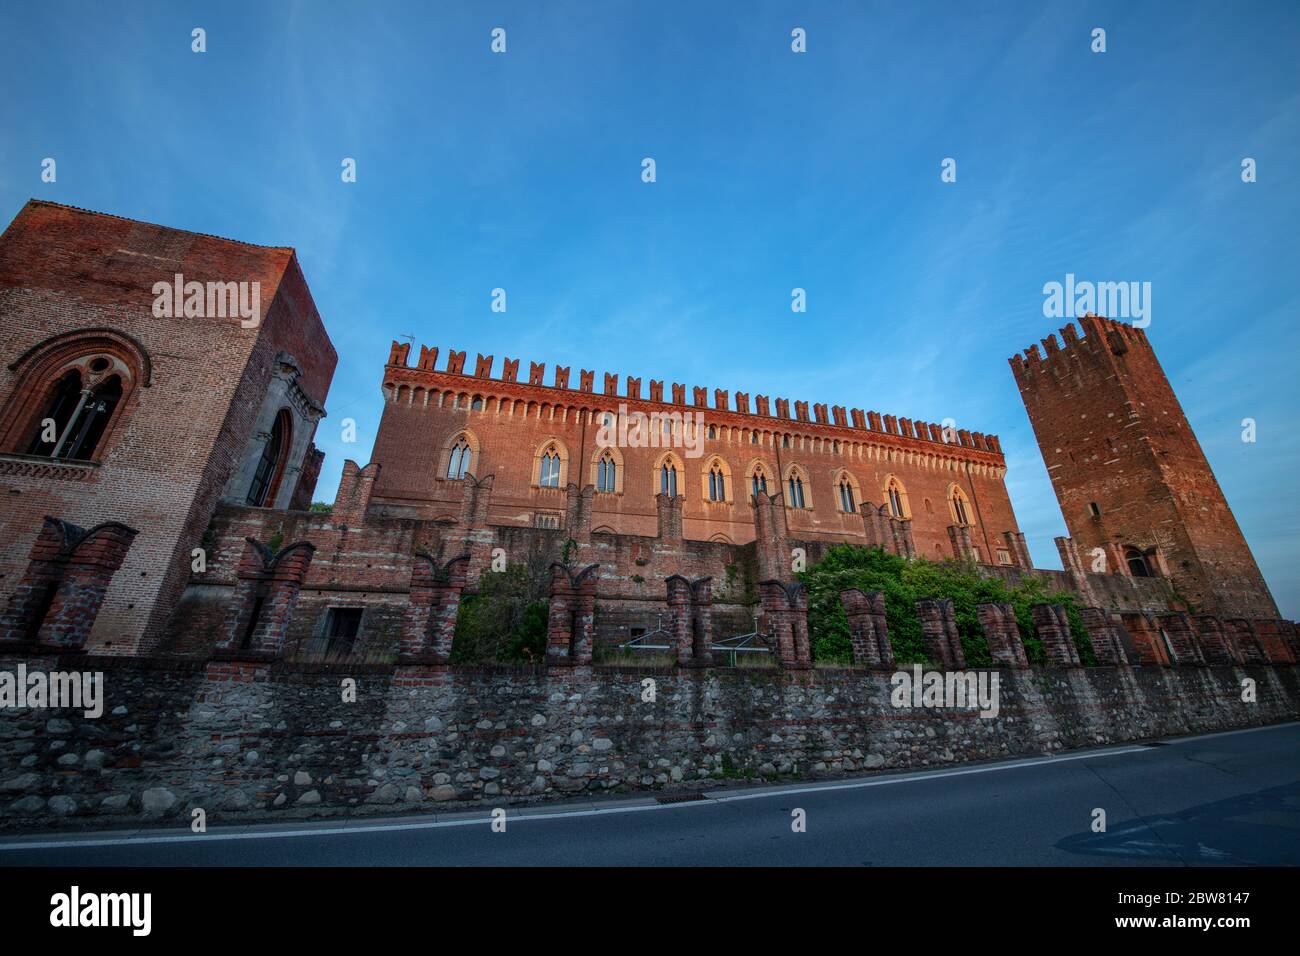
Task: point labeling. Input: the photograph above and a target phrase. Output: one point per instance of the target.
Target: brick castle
(157, 473)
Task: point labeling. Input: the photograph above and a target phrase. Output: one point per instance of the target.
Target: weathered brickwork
(59, 596)
(998, 621)
(76, 295)
(208, 592)
(509, 425)
(250, 742)
(1133, 483)
(868, 628)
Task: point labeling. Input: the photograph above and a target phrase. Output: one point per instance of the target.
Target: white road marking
(710, 798)
(563, 814)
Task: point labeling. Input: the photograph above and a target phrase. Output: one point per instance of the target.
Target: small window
(758, 482)
(1004, 556)
(546, 519)
(476, 405)
(1094, 509)
(1138, 565)
(342, 625)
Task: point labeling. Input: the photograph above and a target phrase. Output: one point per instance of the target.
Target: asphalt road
(1222, 799)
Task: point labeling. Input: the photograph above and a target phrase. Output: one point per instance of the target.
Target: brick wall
(185, 425)
(511, 420)
(1113, 434)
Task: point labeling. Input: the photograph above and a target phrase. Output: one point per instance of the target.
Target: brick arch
(43, 366)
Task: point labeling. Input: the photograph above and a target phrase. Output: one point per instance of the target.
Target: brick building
(110, 412)
(713, 453)
(1136, 491)
(130, 442)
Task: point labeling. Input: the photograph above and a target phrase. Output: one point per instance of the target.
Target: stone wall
(264, 741)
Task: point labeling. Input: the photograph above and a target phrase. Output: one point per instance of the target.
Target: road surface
(1229, 798)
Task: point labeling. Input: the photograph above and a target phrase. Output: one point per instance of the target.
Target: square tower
(1131, 479)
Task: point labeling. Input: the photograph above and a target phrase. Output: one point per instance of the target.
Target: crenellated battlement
(1119, 336)
(764, 407)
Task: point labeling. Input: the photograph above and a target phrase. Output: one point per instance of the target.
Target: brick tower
(1129, 473)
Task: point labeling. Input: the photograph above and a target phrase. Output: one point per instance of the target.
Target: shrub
(504, 621)
(906, 582)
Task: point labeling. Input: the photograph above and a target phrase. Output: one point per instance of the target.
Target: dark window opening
(254, 616)
(342, 625)
(41, 610)
(1138, 565)
(65, 400)
(1095, 509)
(269, 463)
(88, 427)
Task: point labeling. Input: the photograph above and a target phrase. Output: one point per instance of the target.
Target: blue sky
(775, 170)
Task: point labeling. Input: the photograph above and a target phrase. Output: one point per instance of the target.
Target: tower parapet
(1134, 486)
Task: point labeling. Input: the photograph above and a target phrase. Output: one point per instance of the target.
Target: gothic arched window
(53, 423)
(896, 495)
(71, 393)
(717, 484)
(607, 473)
(960, 514)
(796, 487)
(269, 465)
(548, 475)
(847, 503)
(84, 432)
(76, 415)
(668, 479)
(459, 462)
(758, 481)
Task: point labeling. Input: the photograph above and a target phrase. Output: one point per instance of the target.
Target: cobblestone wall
(253, 742)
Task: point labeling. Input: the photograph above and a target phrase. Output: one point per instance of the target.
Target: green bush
(504, 621)
(906, 582)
